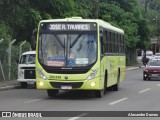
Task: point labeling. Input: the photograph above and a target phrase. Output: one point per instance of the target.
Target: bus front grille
(72, 84)
(73, 71)
(29, 74)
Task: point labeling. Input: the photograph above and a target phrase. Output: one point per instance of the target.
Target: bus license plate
(67, 87)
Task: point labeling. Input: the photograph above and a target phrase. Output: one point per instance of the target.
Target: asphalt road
(134, 95)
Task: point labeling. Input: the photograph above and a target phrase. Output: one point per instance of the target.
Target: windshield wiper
(74, 42)
(60, 42)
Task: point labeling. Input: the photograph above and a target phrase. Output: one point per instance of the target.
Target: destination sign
(68, 26)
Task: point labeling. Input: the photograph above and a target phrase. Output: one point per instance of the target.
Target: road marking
(158, 84)
(117, 101)
(142, 91)
(35, 100)
(78, 116)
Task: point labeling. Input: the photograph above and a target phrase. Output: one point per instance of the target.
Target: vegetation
(138, 18)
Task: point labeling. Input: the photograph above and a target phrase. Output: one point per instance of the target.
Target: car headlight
(145, 70)
(41, 75)
(92, 75)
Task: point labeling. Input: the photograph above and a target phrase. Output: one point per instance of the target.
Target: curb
(133, 68)
(9, 87)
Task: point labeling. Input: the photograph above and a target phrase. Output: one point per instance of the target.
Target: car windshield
(157, 54)
(27, 59)
(149, 54)
(68, 50)
(154, 63)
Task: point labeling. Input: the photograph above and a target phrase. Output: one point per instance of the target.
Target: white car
(26, 69)
(157, 56)
(149, 54)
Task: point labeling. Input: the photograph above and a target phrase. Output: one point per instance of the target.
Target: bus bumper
(93, 84)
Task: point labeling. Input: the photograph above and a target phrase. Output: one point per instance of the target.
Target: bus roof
(29, 52)
(101, 23)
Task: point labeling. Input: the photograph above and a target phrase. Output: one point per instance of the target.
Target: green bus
(79, 54)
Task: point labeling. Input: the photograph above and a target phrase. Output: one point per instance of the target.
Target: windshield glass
(149, 54)
(27, 59)
(154, 63)
(157, 54)
(68, 50)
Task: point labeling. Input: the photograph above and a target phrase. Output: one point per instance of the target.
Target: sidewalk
(140, 65)
(11, 84)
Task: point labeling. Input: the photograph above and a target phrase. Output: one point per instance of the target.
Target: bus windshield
(60, 49)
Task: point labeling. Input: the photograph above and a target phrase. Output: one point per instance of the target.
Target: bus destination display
(69, 26)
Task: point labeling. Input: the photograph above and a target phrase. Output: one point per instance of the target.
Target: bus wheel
(116, 86)
(99, 93)
(24, 85)
(105, 83)
(52, 93)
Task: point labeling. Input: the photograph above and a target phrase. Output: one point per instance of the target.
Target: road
(134, 95)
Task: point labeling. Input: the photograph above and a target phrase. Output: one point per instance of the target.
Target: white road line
(117, 101)
(158, 84)
(35, 100)
(142, 91)
(78, 116)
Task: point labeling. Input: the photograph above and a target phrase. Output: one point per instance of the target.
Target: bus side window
(102, 41)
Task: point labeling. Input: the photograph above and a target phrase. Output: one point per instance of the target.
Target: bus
(79, 54)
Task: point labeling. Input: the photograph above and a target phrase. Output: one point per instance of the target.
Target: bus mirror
(33, 39)
(101, 32)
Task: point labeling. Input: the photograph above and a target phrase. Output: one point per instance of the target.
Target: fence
(9, 57)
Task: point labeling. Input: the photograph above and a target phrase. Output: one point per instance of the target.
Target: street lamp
(155, 19)
(155, 34)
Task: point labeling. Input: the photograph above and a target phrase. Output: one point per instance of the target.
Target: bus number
(55, 77)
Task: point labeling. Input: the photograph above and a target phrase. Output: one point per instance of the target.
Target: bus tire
(105, 82)
(116, 86)
(100, 93)
(52, 93)
(24, 84)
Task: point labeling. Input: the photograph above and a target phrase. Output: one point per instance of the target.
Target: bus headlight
(92, 75)
(41, 75)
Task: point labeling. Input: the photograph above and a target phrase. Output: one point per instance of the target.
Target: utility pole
(96, 8)
(144, 59)
(155, 35)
